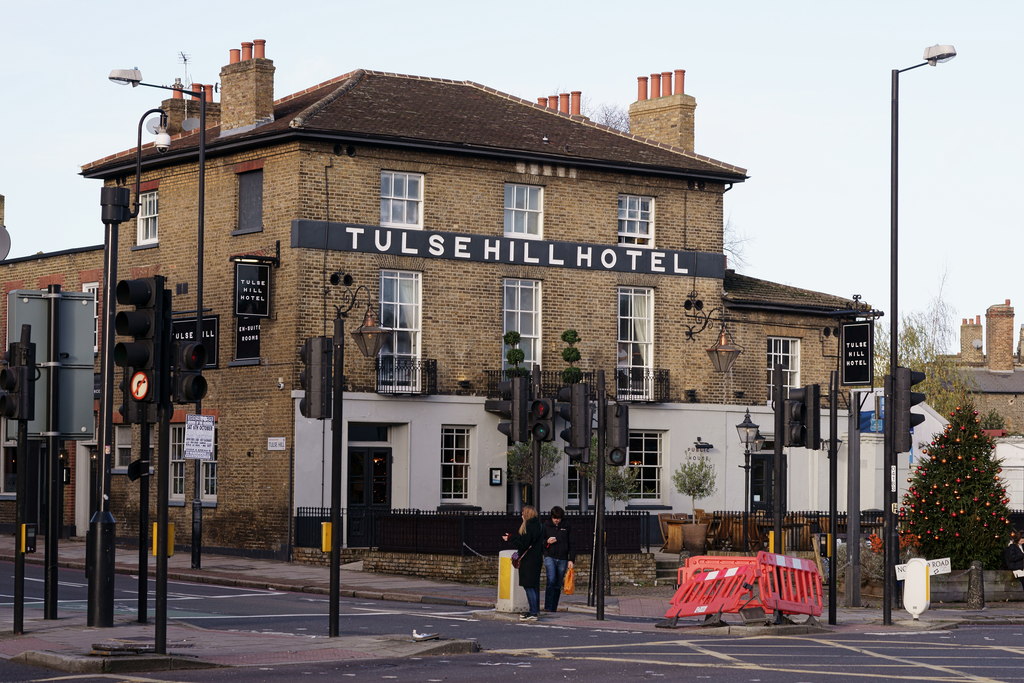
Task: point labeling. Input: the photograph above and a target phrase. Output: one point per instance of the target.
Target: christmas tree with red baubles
(956, 504)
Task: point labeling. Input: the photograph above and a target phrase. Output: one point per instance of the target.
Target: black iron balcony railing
(647, 385)
(406, 375)
(550, 381)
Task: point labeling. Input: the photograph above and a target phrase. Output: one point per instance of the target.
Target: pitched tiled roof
(460, 116)
(743, 291)
(984, 381)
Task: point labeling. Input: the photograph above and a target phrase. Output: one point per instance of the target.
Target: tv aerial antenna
(190, 122)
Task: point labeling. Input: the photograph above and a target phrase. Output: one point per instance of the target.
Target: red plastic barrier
(722, 590)
(789, 584)
(705, 563)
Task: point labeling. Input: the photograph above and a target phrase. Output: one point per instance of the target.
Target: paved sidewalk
(64, 643)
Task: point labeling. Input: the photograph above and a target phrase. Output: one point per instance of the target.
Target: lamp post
(133, 77)
(114, 202)
(370, 338)
(936, 54)
(749, 433)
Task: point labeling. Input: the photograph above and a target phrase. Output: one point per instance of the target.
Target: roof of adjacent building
(985, 381)
(743, 291)
(456, 116)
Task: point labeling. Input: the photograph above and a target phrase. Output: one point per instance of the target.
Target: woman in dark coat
(529, 541)
(1013, 555)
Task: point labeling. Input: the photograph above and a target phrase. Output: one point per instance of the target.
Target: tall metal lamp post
(370, 338)
(749, 433)
(936, 54)
(133, 77)
(114, 202)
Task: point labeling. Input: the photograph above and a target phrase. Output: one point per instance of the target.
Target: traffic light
(189, 383)
(541, 420)
(17, 383)
(812, 434)
(512, 406)
(794, 417)
(574, 408)
(903, 400)
(616, 433)
(316, 378)
(141, 354)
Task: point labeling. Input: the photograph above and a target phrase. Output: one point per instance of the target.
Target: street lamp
(133, 77)
(370, 338)
(749, 433)
(724, 353)
(100, 547)
(936, 54)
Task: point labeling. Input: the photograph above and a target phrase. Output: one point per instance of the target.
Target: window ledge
(243, 362)
(247, 231)
(149, 245)
(209, 503)
(176, 503)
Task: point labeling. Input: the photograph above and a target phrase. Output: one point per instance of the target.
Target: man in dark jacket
(1013, 555)
(558, 557)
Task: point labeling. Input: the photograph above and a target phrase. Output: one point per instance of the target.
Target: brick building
(991, 359)
(460, 213)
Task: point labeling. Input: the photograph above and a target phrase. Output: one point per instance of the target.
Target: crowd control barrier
(709, 587)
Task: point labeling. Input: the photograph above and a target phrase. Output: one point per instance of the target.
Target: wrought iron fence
(406, 375)
(646, 385)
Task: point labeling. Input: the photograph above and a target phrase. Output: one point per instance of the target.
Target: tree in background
(956, 504)
(520, 466)
(695, 478)
(924, 340)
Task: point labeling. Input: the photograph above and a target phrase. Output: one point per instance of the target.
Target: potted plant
(695, 478)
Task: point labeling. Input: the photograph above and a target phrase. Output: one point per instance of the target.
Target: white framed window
(401, 199)
(208, 472)
(9, 470)
(94, 288)
(122, 447)
(524, 210)
(148, 219)
(645, 456)
(634, 365)
(401, 310)
(636, 220)
(177, 462)
(454, 463)
(522, 314)
(784, 351)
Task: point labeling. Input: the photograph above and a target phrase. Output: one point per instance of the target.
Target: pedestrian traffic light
(316, 378)
(141, 324)
(189, 384)
(574, 408)
(17, 383)
(794, 412)
(903, 399)
(616, 433)
(512, 407)
(540, 420)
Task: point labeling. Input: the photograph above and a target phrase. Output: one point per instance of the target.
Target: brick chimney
(179, 107)
(1, 209)
(971, 341)
(664, 113)
(247, 89)
(999, 337)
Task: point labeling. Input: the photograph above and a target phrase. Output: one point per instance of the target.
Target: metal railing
(642, 385)
(406, 375)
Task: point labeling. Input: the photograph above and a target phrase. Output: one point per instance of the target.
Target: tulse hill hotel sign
(455, 246)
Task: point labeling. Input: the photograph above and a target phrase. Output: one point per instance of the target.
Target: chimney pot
(234, 55)
(542, 101)
(666, 83)
(246, 52)
(678, 85)
(195, 87)
(655, 86)
(563, 102)
(641, 88)
(259, 48)
(575, 102)
(552, 101)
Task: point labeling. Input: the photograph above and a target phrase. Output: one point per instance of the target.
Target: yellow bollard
(325, 537)
(170, 539)
(771, 542)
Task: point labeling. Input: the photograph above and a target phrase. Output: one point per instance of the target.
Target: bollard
(975, 586)
(510, 597)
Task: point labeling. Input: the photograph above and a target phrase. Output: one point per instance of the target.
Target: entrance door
(369, 491)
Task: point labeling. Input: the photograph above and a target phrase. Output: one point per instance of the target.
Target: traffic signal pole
(535, 442)
(598, 561)
(53, 467)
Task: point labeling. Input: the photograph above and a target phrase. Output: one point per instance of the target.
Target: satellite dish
(5, 242)
(976, 343)
(190, 123)
(153, 126)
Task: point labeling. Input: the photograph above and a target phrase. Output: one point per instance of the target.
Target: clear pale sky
(798, 93)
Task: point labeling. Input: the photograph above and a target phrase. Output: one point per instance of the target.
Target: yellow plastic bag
(569, 585)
